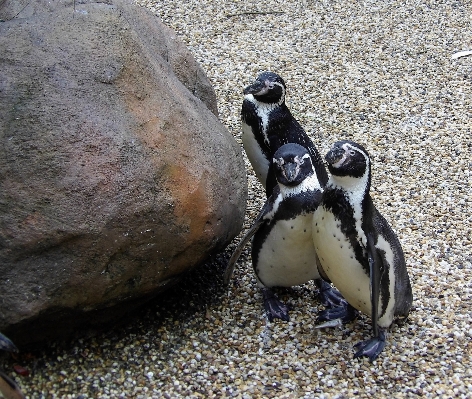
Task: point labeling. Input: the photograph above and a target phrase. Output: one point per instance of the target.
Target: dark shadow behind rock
(114, 178)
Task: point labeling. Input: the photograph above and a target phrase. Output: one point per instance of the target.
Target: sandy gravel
(377, 72)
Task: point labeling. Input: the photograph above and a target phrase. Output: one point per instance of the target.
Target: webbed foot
(274, 308)
(328, 295)
(344, 313)
(372, 347)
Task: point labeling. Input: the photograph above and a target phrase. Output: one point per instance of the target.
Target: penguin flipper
(249, 234)
(6, 344)
(237, 252)
(9, 389)
(375, 265)
(271, 181)
(374, 346)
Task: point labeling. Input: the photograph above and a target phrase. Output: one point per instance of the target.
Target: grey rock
(116, 175)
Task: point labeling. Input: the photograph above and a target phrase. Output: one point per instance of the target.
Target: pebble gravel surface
(376, 72)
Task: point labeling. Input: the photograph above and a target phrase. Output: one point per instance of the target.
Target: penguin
(8, 388)
(357, 248)
(283, 254)
(267, 124)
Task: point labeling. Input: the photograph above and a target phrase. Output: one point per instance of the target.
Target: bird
(358, 250)
(283, 253)
(267, 124)
(8, 388)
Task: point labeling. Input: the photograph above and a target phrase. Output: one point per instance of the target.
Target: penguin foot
(345, 313)
(274, 308)
(372, 347)
(328, 295)
(6, 344)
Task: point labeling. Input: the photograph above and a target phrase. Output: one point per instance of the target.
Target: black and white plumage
(283, 254)
(358, 250)
(8, 387)
(267, 124)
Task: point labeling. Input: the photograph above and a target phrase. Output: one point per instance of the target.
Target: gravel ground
(377, 72)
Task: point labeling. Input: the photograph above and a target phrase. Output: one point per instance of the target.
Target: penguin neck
(353, 186)
(310, 183)
(355, 191)
(263, 111)
(263, 105)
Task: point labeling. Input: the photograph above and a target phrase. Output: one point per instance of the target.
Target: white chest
(337, 258)
(339, 262)
(288, 256)
(259, 162)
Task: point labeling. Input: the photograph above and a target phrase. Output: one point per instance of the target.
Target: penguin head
(292, 164)
(346, 158)
(267, 88)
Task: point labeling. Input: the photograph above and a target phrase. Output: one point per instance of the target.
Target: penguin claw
(372, 347)
(344, 313)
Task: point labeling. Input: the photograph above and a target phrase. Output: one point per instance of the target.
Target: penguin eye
(270, 85)
(279, 161)
(352, 153)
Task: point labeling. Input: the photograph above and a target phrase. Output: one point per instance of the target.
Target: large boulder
(116, 176)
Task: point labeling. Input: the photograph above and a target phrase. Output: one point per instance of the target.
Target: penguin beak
(334, 155)
(258, 87)
(290, 170)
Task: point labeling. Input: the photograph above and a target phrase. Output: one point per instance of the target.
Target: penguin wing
(237, 252)
(321, 271)
(376, 270)
(403, 291)
(9, 388)
(249, 117)
(248, 111)
(260, 220)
